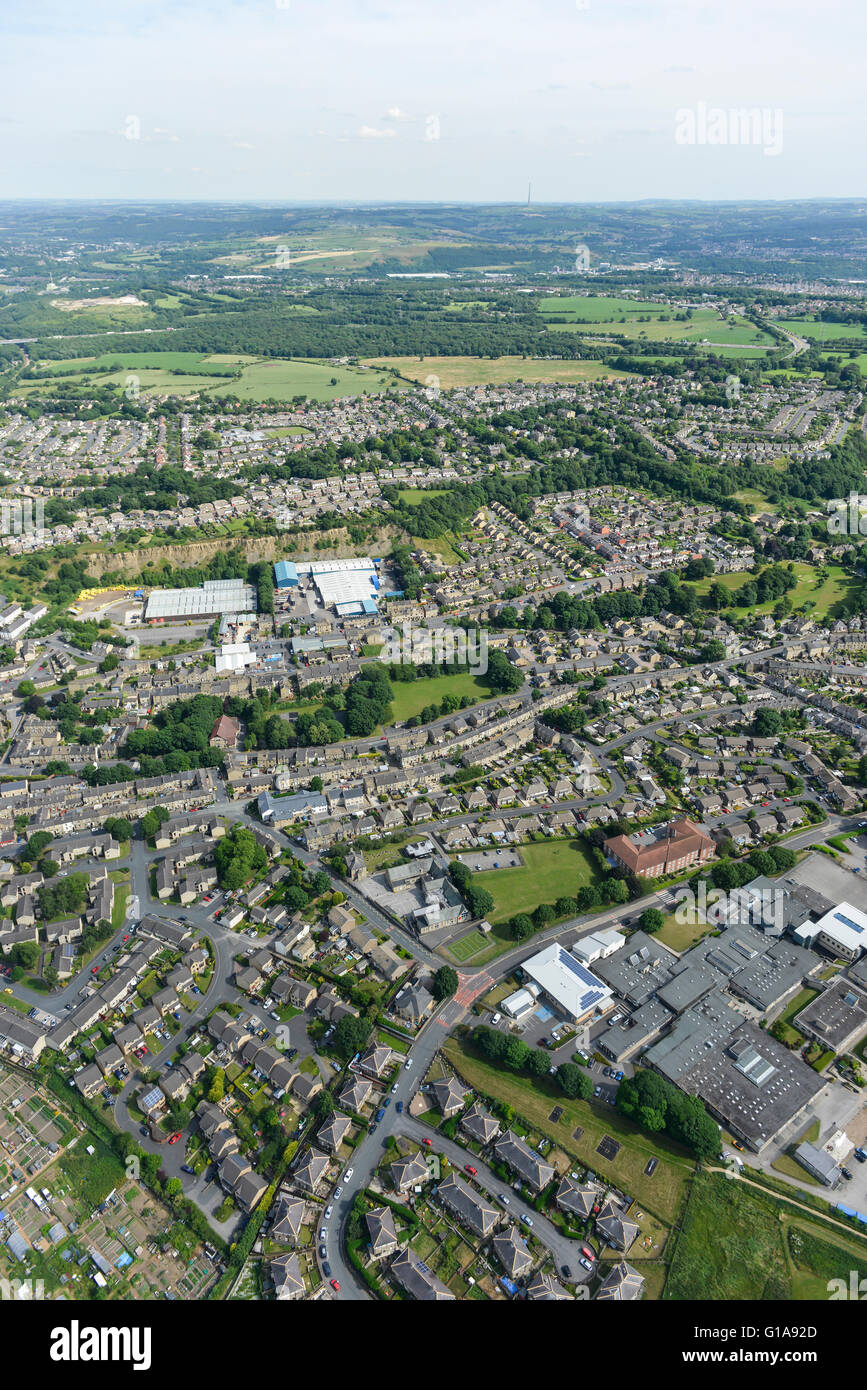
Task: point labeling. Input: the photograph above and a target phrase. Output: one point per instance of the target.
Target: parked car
(587, 1252)
(322, 1252)
(567, 1273)
(335, 1286)
(471, 1170)
(326, 1269)
(586, 1264)
(395, 1088)
(428, 1142)
(527, 1221)
(175, 1137)
(185, 1168)
(328, 1210)
(407, 1064)
(347, 1176)
(338, 1193)
(399, 1107)
(506, 1201)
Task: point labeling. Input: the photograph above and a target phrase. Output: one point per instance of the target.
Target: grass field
(479, 371)
(736, 1244)
(212, 374)
(661, 1193)
(822, 597)
(624, 316)
(819, 332)
(552, 869)
(681, 935)
(467, 946)
(411, 697)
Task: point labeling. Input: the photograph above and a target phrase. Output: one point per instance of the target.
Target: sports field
(214, 374)
(652, 321)
(480, 371)
(411, 697)
(552, 869)
(820, 332)
(821, 595)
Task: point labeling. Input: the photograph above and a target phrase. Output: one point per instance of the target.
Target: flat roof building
(568, 984)
(212, 599)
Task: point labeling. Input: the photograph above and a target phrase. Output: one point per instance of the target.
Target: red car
(468, 1167)
(126, 938)
(94, 970)
(174, 1139)
(587, 1252)
(335, 1286)
(429, 1142)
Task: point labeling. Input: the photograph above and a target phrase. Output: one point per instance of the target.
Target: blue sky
(427, 99)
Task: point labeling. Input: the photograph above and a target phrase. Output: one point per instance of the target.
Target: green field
(188, 373)
(681, 935)
(821, 597)
(552, 869)
(624, 316)
(467, 946)
(736, 1244)
(411, 697)
(819, 332)
(479, 371)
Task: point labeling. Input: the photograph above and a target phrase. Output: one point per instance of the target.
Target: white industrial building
(234, 656)
(842, 932)
(214, 598)
(567, 984)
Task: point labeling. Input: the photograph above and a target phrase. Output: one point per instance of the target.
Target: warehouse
(350, 587)
(214, 598)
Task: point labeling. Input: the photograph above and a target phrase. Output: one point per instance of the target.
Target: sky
(432, 100)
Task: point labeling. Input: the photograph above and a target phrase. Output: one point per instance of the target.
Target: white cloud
(370, 132)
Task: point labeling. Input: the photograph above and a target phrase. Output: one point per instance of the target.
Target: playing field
(411, 697)
(653, 322)
(480, 371)
(552, 869)
(820, 332)
(214, 374)
(821, 596)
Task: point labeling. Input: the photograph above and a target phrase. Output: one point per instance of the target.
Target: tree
(37, 843)
(516, 1054)
(445, 983)
(323, 1105)
(350, 1035)
(615, 890)
(651, 920)
(538, 1063)
(543, 915)
(217, 1088)
(520, 927)
(767, 723)
(587, 897)
(574, 1081)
